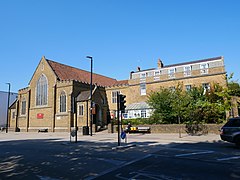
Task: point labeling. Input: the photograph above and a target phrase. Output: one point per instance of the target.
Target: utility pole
(118, 119)
(9, 88)
(91, 104)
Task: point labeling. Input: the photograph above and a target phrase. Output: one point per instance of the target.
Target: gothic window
(63, 102)
(23, 107)
(42, 91)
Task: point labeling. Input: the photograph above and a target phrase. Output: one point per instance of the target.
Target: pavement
(152, 139)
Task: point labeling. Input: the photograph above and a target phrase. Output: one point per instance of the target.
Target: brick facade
(156, 78)
(74, 84)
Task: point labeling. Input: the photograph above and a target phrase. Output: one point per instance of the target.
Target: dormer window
(171, 73)
(156, 73)
(187, 70)
(143, 75)
(204, 68)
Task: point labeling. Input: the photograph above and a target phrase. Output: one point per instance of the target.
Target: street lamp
(91, 105)
(9, 87)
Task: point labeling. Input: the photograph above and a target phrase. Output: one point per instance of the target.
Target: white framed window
(149, 74)
(143, 89)
(23, 106)
(143, 75)
(42, 91)
(63, 100)
(114, 96)
(171, 72)
(204, 68)
(143, 113)
(81, 110)
(188, 87)
(156, 73)
(187, 70)
(206, 87)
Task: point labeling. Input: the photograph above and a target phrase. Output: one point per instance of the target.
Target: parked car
(230, 132)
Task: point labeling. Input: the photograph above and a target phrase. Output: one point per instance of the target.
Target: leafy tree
(161, 103)
(234, 88)
(191, 107)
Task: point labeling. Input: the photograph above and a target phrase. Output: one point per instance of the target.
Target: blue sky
(119, 34)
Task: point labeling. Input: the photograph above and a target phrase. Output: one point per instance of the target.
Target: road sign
(123, 135)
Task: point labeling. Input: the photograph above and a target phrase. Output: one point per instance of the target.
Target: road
(50, 157)
(183, 161)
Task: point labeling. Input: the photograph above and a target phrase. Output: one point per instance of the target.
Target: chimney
(138, 68)
(160, 63)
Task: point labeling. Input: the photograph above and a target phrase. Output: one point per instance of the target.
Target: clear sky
(119, 34)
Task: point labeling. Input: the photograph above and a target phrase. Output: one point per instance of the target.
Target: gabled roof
(84, 96)
(65, 72)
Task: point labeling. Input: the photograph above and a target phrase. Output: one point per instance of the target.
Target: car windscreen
(233, 123)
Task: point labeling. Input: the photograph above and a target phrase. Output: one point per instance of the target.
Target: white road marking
(229, 158)
(195, 153)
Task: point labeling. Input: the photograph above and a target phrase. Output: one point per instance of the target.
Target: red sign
(40, 115)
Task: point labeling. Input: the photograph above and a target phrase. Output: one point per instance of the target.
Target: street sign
(123, 135)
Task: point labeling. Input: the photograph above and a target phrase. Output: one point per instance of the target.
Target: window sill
(62, 114)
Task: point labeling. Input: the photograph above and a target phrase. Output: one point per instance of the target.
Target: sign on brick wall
(40, 115)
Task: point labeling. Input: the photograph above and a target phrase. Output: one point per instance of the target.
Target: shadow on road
(58, 159)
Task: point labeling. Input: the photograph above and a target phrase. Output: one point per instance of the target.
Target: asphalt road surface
(185, 161)
(52, 159)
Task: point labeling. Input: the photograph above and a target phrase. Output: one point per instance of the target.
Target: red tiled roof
(65, 72)
(120, 83)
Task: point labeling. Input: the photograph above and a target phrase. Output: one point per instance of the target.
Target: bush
(137, 121)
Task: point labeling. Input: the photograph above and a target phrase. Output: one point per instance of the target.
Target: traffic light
(122, 102)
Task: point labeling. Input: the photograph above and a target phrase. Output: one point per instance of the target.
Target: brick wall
(172, 128)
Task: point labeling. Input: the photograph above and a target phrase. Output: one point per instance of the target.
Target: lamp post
(9, 87)
(91, 105)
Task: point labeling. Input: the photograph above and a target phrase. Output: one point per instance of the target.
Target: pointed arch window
(23, 107)
(42, 91)
(63, 99)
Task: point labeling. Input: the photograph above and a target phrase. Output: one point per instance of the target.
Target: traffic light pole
(118, 119)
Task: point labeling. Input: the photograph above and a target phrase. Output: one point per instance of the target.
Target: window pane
(42, 91)
(143, 113)
(81, 109)
(171, 72)
(143, 89)
(63, 102)
(23, 110)
(114, 96)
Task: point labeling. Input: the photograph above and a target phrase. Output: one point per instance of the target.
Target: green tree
(191, 107)
(234, 88)
(161, 103)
